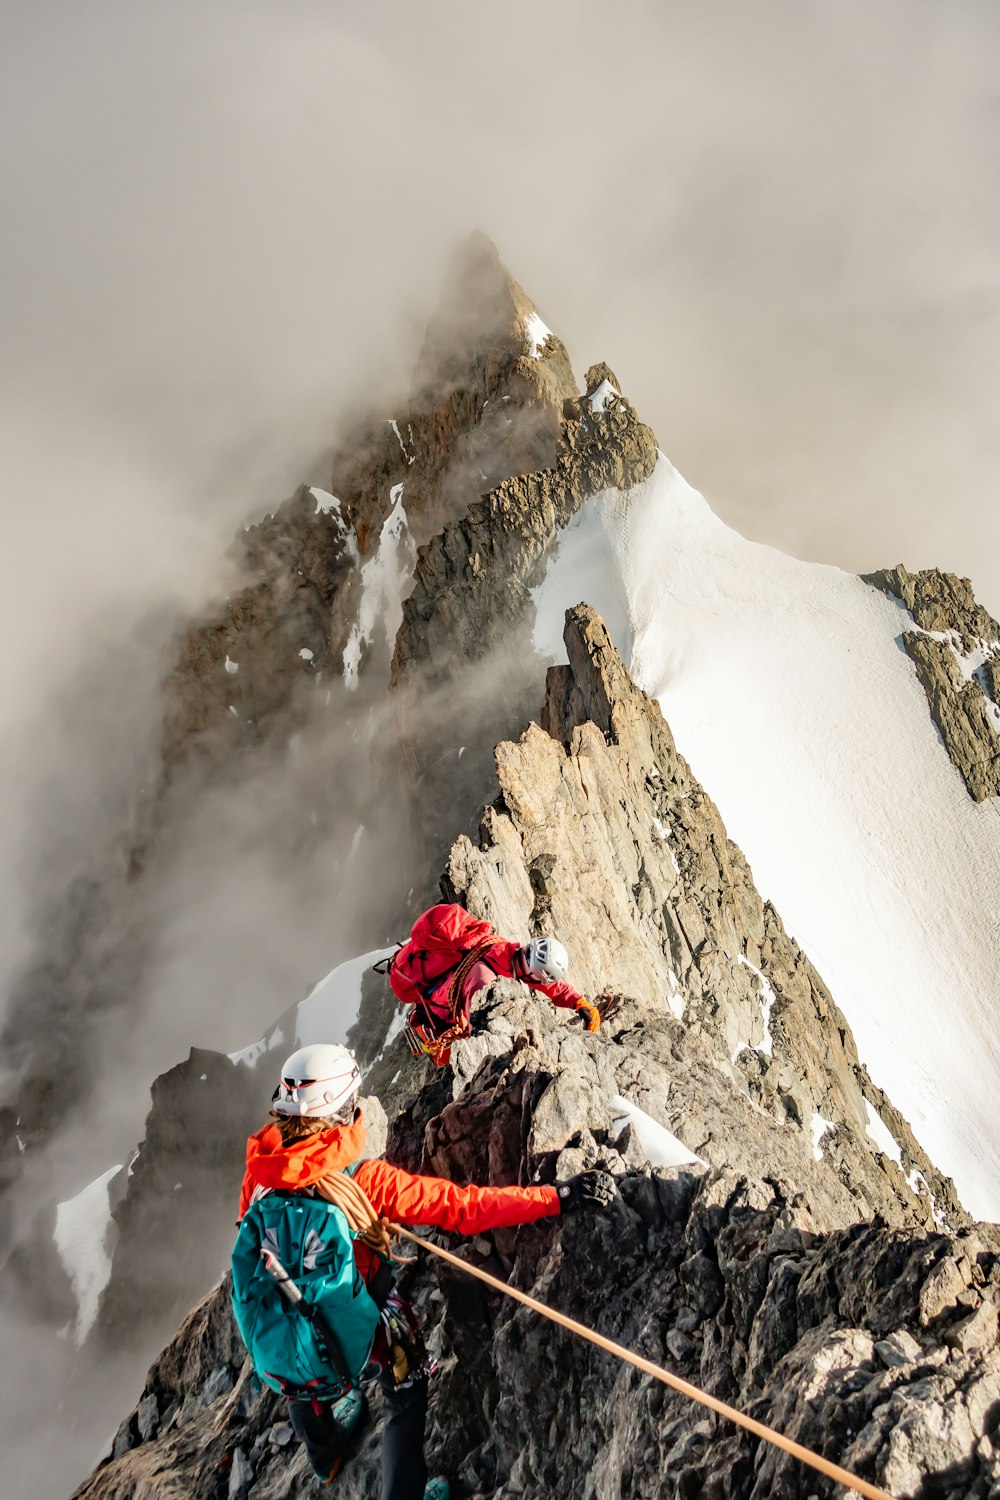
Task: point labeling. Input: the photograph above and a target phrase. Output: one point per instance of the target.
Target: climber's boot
(349, 1415)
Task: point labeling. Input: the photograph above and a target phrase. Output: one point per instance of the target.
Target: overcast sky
(225, 220)
(778, 221)
(222, 222)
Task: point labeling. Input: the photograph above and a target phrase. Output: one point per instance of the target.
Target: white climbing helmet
(320, 1080)
(545, 958)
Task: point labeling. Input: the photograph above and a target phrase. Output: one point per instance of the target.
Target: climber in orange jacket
(315, 1133)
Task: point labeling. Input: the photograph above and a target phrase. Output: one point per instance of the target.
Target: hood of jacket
(272, 1164)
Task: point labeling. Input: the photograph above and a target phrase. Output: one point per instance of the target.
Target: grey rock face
(471, 581)
(964, 705)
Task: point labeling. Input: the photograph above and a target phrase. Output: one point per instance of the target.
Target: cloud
(225, 222)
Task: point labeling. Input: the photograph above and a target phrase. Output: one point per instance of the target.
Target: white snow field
(659, 1145)
(81, 1235)
(788, 691)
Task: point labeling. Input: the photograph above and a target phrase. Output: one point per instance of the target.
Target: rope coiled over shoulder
(352, 1200)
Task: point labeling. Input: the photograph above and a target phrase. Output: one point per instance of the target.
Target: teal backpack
(300, 1304)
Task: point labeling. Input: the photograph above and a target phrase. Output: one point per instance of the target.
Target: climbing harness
(805, 1455)
(422, 1039)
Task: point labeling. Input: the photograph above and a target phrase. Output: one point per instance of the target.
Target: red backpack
(439, 940)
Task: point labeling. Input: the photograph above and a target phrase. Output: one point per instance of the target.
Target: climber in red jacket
(450, 956)
(316, 1131)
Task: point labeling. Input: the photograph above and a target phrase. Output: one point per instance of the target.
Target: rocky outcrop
(875, 1346)
(602, 832)
(471, 582)
(195, 1138)
(464, 651)
(748, 1272)
(486, 403)
(956, 652)
(939, 602)
(239, 672)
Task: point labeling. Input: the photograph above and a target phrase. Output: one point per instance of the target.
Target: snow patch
(537, 335)
(81, 1234)
(878, 1131)
(330, 1010)
(660, 1147)
(767, 998)
(599, 400)
(583, 565)
(817, 1129)
(250, 1056)
(383, 578)
(305, 653)
(231, 666)
(327, 505)
(395, 427)
(918, 1184)
(664, 834)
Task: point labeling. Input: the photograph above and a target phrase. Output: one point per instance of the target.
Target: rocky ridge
(725, 1033)
(955, 649)
(481, 604)
(874, 1342)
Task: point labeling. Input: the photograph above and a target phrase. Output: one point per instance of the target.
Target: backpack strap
(385, 964)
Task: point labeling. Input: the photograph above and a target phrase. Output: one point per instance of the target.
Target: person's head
(544, 958)
(318, 1087)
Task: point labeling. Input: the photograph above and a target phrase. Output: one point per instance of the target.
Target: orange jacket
(394, 1194)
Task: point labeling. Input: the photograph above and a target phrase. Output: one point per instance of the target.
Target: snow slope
(787, 689)
(326, 1014)
(82, 1230)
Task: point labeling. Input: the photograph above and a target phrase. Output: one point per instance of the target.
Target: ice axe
(291, 1293)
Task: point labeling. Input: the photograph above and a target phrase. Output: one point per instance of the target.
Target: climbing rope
(805, 1455)
(344, 1193)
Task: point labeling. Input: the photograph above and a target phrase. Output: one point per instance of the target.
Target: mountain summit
(719, 779)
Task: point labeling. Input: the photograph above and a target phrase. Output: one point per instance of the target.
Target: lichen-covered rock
(956, 652)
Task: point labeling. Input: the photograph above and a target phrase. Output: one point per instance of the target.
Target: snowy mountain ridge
(787, 686)
(797, 717)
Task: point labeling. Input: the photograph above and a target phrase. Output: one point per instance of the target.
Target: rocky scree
(955, 649)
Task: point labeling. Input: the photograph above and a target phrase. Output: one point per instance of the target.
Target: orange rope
(805, 1455)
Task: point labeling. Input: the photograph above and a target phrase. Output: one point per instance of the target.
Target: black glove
(587, 1190)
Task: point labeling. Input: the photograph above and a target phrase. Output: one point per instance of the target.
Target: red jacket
(447, 930)
(499, 960)
(394, 1194)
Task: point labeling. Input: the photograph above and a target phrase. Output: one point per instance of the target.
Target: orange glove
(590, 1013)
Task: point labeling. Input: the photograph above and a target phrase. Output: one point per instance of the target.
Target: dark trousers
(404, 1472)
